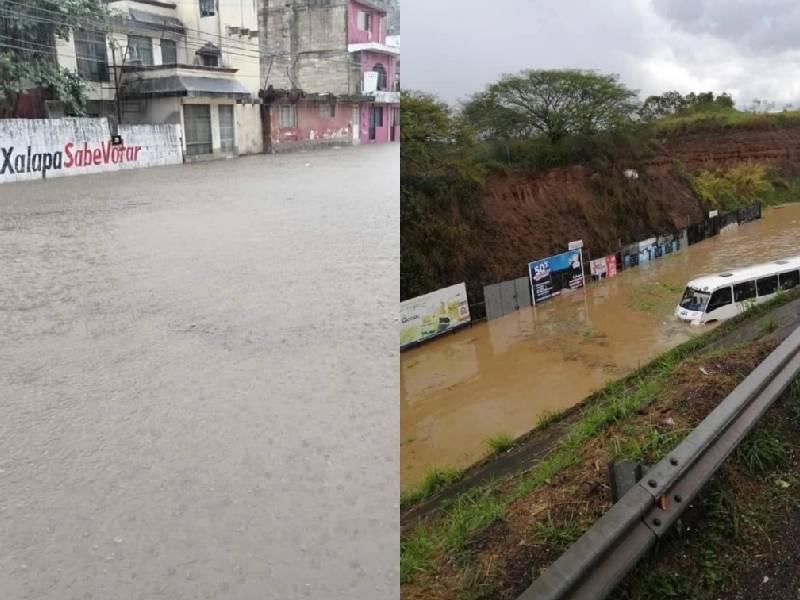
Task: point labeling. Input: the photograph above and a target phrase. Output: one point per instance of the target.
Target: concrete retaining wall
(42, 148)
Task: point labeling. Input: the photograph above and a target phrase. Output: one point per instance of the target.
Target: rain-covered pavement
(198, 381)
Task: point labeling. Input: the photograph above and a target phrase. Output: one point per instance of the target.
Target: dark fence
(499, 302)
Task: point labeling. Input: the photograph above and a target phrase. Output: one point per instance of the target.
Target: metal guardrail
(593, 566)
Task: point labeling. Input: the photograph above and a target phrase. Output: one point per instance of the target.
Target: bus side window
(789, 280)
(767, 285)
(744, 291)
(721, 297)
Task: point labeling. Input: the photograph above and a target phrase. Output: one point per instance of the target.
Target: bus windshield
(694, 299)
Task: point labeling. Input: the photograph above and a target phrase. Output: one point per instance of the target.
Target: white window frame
(364, 20)
(287, 116)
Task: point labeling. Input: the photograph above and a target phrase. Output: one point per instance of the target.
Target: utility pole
(264, 69)
(116, 84)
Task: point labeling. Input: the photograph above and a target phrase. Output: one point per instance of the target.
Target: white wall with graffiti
(44, 148)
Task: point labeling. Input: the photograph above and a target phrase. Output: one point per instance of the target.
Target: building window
(378, 68)
(209, 55)
(327, 110)
(92, 58)
(364, 20)
(207, 8)
(395, 117)
(140, 49)
(287, 116)
(209, 60)
(169, 55)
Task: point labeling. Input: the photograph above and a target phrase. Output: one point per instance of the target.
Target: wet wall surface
(198, 381)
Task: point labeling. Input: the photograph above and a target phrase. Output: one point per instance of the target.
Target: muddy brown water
(502, 376)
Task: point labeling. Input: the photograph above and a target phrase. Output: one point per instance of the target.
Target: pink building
(366, 41)
(330, 73)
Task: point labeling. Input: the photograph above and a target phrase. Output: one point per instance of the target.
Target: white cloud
(749, 48)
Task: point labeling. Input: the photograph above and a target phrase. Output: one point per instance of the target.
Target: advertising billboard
(553, 274)
(603, 267)
(435, 313)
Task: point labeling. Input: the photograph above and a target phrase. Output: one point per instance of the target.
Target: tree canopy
(28, 31)
(674, 104)
(553, 103)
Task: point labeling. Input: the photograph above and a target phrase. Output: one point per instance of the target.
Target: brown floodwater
(501, 376)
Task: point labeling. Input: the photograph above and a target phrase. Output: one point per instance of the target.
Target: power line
(65, 20)
(190, 41)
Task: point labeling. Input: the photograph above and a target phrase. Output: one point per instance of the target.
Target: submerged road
(198, 381)
(502, 376)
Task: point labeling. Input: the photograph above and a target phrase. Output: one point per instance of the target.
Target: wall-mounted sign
(434, 313)
(551, 275)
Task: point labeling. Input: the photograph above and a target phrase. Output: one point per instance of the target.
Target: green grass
(769, 324)
(558, 532)
(470, 513)
(794, 402)
(417, 551)
(762, 451)
(434, 481)
(499, 443)
(548, 418)
(476, 510)
(473, 586)
(785, 189)
(589, 333)
(722, 120)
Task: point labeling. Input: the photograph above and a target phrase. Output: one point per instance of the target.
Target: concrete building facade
(195, 63)
(330, 76)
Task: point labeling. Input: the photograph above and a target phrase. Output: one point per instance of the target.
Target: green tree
(440, 175)
(553, 103)
(28, 31)
(667, 104)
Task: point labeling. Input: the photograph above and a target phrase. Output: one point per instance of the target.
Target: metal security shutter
(494, 302)
(508, 296)
(227, 139)
(523, 285)
(197, 119)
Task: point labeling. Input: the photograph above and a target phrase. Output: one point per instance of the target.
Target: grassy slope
(472, 513)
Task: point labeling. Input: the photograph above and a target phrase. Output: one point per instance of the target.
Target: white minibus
(718, 297)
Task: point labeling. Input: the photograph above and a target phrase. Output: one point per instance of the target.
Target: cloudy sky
(749, 48)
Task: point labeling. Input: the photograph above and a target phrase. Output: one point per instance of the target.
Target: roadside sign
(577, 245)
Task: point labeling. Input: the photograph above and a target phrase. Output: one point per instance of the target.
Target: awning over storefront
(154, 21)
(184, 85)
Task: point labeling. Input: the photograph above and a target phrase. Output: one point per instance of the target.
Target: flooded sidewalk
(502, 376)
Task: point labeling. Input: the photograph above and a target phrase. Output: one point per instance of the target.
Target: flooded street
(502, 376)
(197, 378)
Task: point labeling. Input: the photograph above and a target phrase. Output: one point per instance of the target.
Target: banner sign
(647, 250)
(551, 275)
(603, 267)
(597, 268)
(435, 313)
(611, 265)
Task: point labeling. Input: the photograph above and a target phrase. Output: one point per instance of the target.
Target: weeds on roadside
(548, 418)
(762, 451)
(467, 515)
(558, 532)
(434, 480)
(499, 443)
(769, 325)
